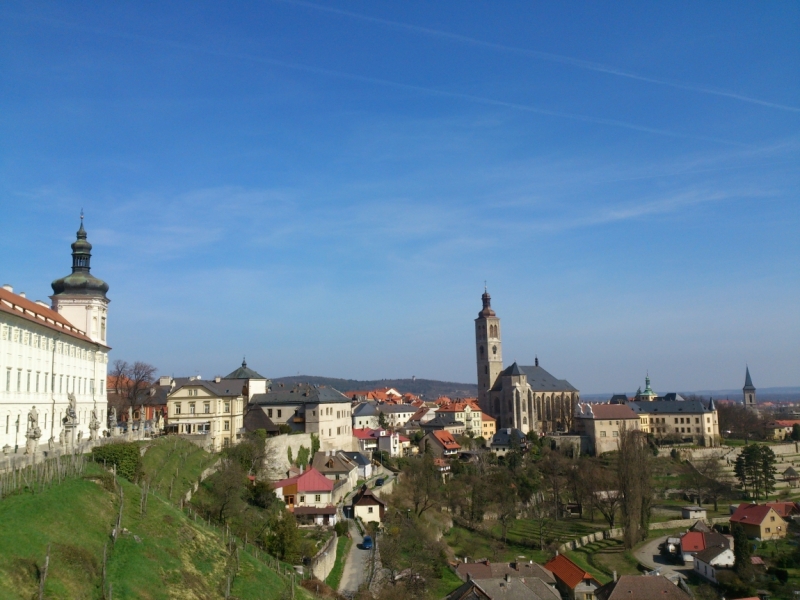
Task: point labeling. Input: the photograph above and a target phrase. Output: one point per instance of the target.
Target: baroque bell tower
(488, 350)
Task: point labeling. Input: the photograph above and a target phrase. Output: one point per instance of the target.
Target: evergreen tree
(767, 470)
(741, 552)
(796, 432)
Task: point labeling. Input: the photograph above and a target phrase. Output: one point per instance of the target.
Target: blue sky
(324, 187)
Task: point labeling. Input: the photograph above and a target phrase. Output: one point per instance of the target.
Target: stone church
(524, 398)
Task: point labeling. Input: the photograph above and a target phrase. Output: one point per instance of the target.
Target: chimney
(217, 379)
(22, 295)
(8, 287)
(508, 577)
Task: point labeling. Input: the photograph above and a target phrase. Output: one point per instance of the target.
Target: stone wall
(686, 522)
(592, 537)
(278, 452)
(322, 563)
(206, 472)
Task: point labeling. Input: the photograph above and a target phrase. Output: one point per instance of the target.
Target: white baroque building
(50, 355)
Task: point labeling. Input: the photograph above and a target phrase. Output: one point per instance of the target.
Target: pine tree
(741, 551)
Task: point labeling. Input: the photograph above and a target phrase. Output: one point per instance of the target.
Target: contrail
(547, 56)
(386, 82)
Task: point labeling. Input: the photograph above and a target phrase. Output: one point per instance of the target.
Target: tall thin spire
(748, 383)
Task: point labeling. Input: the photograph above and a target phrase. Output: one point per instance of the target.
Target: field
(160, 554)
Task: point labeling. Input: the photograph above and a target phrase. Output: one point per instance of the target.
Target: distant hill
(429, 389)
(774, 394)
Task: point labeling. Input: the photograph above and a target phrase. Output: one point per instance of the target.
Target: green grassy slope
(163, 555)
(174, 461)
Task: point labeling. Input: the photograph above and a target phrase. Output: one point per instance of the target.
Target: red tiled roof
(446, 439)
(14, 304)
(784, 509)
(567, 571)
(309, 481)
(485, 417)
(785, 423)
(750, 514)
(365, 434)
(694, 541)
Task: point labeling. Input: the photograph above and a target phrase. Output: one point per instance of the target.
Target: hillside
(427, 388)
(161, 554)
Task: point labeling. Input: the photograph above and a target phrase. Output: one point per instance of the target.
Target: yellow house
(759, 521)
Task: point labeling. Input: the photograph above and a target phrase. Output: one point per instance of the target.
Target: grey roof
(691, 407)
(513, 589)
(365, 409)
(356, 457)
(397, 408)
(332, 463)
(710, 554)
(221, 388)
(244, 373)
(504, 436)
(440, 421)
(672, 397)
(539, 379)
(618, 399)
(790, 472)
(748, 383)
(301, 394)
(256, 418)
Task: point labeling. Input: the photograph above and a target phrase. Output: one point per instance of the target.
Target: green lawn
(602, 558)
(163, 554)
(526, 533)
(172, 460)
(464, 542)
(445, 585)
(342, 548)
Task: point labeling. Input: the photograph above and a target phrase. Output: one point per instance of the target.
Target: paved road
(356, 567)
(650, 556)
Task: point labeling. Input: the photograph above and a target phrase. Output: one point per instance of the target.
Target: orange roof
(753, 514)
(485, 417)
(694, 541)
(786, 422)
(446, 439)
(14, 304)
(567, 571)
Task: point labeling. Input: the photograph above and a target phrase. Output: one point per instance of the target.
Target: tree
(132, 382)
(302, 456)
(607, 497)
(552, 467)
(505, 499)
(425, 482)
(541, 513)
(226, 490)
(717, 476)
(796, 432)
(635, 485)
(314, 444)
(741, 552)
(407, 547)
(283, 537)
(755, 470)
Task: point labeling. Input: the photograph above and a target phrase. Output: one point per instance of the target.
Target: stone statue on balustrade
(33, 432)
(94, 424)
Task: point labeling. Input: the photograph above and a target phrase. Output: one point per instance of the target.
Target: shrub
(125, 457)
(781, 574)
(341, 528)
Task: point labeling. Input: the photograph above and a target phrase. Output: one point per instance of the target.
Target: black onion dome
(80, 282)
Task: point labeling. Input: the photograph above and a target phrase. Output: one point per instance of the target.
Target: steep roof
(784, 509)
(446, 439)
(244, 372)
(397, 408)
(710, 554)
(356, 457)
(256, 418)
(505, 436)
(303, 393)
(366, 496)
(752, 514)
(542, 381)
(693, 541)
(325, 462)
(16, 305)
(641, 587)
(567, 571)
(309, 481)
(365, 409)
(748, 383)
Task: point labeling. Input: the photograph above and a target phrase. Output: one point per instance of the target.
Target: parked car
(380, 482)
(367, 543)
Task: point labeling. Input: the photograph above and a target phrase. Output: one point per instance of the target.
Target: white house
(693, 512)
(707, 562)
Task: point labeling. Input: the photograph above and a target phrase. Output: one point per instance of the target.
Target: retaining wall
(278, 452)
(322, 563)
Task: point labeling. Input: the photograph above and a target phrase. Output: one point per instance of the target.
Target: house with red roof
(760, 521)
(572, 581)
(441, 443)
(697, 540)
(309, 496)
(782, 428)
(366, 439)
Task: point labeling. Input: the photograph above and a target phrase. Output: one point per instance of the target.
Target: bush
(341, 528)
(125, 457)
(781, 574)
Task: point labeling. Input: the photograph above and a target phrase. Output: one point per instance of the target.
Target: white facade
(708, 570)
(43, 358)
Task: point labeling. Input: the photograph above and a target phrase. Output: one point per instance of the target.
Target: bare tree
(541, 513)
(425, 482)
(606, 496)
(132, 382)
(634, 466)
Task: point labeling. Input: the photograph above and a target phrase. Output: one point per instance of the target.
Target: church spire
(81, 282)
(487, 304)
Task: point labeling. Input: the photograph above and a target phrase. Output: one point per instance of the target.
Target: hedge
(125, 457)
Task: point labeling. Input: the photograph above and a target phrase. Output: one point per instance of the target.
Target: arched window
(494, 350)
(524, 420)
(481, 350)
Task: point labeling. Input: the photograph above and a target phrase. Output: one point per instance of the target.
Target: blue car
(367, 543)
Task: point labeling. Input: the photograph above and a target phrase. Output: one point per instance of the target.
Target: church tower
(488, 350)
(80, 296)
(749, 391)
